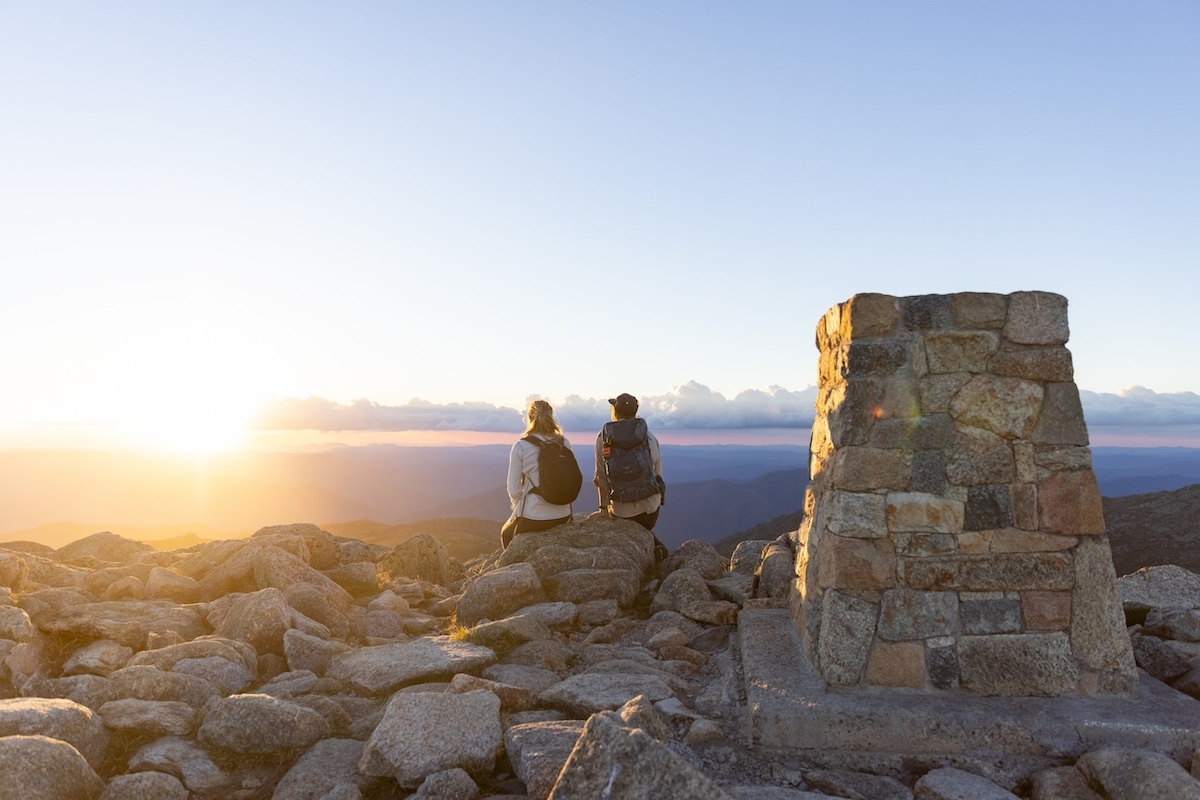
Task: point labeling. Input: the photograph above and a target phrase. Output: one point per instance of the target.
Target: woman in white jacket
(531, 512)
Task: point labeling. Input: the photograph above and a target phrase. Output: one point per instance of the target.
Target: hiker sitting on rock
(629, 469)
(543, 476)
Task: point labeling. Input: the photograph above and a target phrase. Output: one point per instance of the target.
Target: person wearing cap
(627, 431)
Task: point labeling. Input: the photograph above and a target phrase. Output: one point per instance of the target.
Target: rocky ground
(298, 665)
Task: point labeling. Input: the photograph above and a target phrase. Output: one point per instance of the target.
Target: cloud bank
(1138, 405)
(691, 406)
(687, 407)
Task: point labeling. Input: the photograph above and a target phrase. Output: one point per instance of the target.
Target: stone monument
(954, 539)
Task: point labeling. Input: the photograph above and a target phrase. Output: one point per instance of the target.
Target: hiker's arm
(514, 475)
(655, 456)
(600, 479)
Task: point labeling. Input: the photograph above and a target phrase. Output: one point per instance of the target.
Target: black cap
(624, 404)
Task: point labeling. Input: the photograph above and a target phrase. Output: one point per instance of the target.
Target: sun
(195, 422)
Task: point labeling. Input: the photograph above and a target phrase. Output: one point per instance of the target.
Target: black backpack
(628, 464)
(558, 472)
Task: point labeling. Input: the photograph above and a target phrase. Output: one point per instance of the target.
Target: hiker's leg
(525, 525)
(508, 531)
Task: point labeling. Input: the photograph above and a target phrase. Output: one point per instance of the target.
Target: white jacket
(523, 476)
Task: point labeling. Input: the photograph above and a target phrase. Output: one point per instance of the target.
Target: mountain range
(714, 491)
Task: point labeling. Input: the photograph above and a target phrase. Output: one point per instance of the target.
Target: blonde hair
(541, 419)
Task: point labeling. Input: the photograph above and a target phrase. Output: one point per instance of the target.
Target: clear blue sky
(203, 205)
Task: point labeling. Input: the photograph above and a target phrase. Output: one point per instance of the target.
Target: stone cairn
(954, 538)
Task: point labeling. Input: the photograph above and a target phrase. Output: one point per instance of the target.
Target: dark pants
(647, 521)
(523, 525)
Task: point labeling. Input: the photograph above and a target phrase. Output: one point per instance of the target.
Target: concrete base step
(789, 708)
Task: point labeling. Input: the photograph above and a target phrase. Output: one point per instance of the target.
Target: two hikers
(543, 477)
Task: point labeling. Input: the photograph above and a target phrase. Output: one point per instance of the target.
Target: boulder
(102, 657)
(948, 783)
(320, 606)
(603, 533)
(327, 764)
(422, 557)
(105, 546)
(100, 582)
(734, 588)
(498, 593)
(505, 634)
(60, 719)
(209, 556)
(681, 588)
(15, 624)
(1060, 783)
(538, 750)
(534, 679)
(1158, 658)
(423, 733)
(747, 556)
(548, 655)
(641, 713)
(1124, 774)
(776, 571)
(584, 694)
(145, 786)
(1173, 622)
(360, 579)
(553, 559)
(151, 683)
(42, 768)
(450, 784)
(590, 585)
(128, 588)
(757, 792)
(158, 717)
(259, 723)
(127, 622)
(166, 584)
(322, 547)
(92, 691)
(291, 683)
(613, 761)
(280, 569)
(556, 615)
(186, 761)
(260, 619)
(227, 677)
(1152, 587)
(304, 651)
(46, 604)
(165, 658)
(385, 668)
(47, 572)
(13, 570)
(697, 555)
(512, 698)
(845, 783)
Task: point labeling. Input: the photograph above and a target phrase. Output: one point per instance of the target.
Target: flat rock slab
(584, 695)
(387, 667)
(790, 708)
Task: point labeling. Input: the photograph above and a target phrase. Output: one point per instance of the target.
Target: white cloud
(315, 413)
(1138, 405)
(689, 406)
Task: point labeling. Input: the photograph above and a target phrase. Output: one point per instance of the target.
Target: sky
(211, 208)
